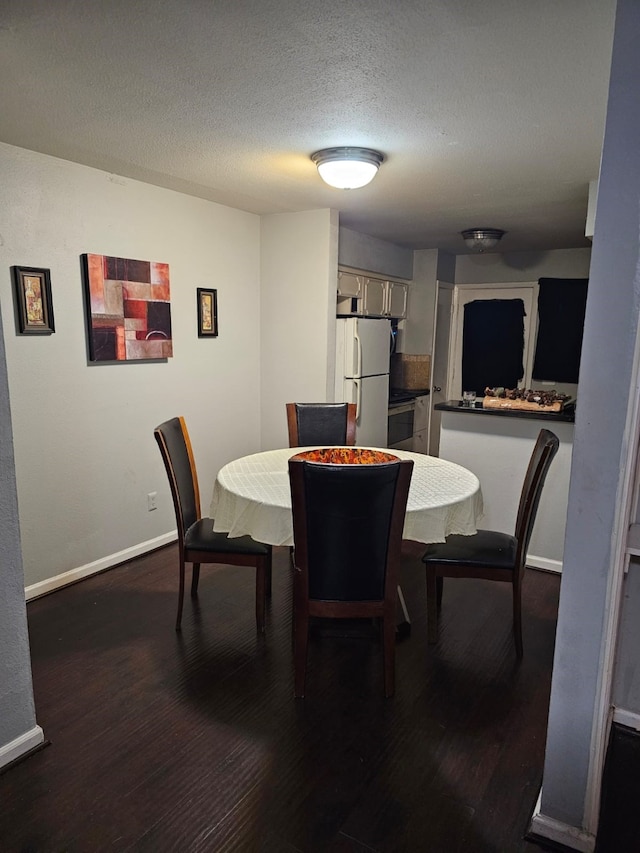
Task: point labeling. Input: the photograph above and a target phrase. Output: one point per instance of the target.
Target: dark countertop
(567, 415)
(399, 395)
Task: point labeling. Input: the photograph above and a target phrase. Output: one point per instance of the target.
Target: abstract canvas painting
(128, 309)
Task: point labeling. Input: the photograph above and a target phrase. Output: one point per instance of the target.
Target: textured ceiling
(488, 113)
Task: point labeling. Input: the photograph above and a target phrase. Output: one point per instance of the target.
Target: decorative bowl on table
(346, 456)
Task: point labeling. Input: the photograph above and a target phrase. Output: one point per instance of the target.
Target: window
(492, 333)
(561, 308)
(492, 344)
(510, 334)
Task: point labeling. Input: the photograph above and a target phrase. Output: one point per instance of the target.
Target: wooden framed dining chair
(347, 529)
(490, 554)
(197, 542)
(321, 424)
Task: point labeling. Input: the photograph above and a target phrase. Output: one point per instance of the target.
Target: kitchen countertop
(567, 415)
(399, 395)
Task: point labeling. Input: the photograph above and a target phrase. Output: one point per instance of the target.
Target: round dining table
(251, 496)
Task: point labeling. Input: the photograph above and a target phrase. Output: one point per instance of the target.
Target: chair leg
(261, 583)
(389, 650)
(300, 645)
(517, 617)
(439, 586)
(195, 577)
(180, 595)
(432, 604)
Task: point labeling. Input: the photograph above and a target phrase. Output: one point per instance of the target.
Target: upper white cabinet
(375, 298)
(350, 284)
(397, 299)
(385, 298)
(364, 296)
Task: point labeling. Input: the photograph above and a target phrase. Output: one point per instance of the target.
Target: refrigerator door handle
(358, 344)
(358, 385)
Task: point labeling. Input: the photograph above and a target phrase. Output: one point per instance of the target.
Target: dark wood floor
(194, 742)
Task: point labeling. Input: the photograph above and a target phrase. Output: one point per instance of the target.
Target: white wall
(84, 448)
(522, 266)
(299, 274)
(18, 730)
(416, 332)
(578, 710)
(429, 267)
(363, 252)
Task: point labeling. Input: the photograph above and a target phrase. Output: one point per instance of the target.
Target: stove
(398, 395)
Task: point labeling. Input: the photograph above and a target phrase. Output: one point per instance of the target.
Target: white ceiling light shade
(347, 168)
(482, 239)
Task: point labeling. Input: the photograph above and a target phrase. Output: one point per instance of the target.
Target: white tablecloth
(251, 496)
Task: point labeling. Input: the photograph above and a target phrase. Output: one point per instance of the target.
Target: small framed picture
(34, 308)
(207, 313)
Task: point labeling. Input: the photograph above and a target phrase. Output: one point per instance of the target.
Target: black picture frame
(207, 301)
(33, 302)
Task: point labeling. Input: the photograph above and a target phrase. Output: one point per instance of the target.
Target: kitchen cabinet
(350, 284)
(420, 425)
(397, 299)
(385, 298)
(361, 295)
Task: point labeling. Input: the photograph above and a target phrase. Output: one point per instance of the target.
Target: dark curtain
(561, 308)
(492, 344)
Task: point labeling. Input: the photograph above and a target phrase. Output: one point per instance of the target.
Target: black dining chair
(347, 530)
(197, 542)
(321, 424)
(490, 554)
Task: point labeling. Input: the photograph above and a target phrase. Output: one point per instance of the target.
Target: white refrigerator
(362, 375)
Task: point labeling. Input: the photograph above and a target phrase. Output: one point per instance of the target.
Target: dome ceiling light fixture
(482, 239)
(347, 168)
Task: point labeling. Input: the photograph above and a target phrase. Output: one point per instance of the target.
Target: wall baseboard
(570, 837)
(544, 563)
(21, 745)
(631, 719)
(50, 584)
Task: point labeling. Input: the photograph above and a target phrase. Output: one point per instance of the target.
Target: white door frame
(433, 423)
(462, 294)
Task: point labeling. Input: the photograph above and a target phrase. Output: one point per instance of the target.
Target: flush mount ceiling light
(482, 239)
(347, 168)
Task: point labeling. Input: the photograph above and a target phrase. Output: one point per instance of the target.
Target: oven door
(400, 426)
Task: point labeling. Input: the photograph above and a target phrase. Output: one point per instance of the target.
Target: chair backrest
(175, 447)
(315, 424)
(347, 523)
(545, 449)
